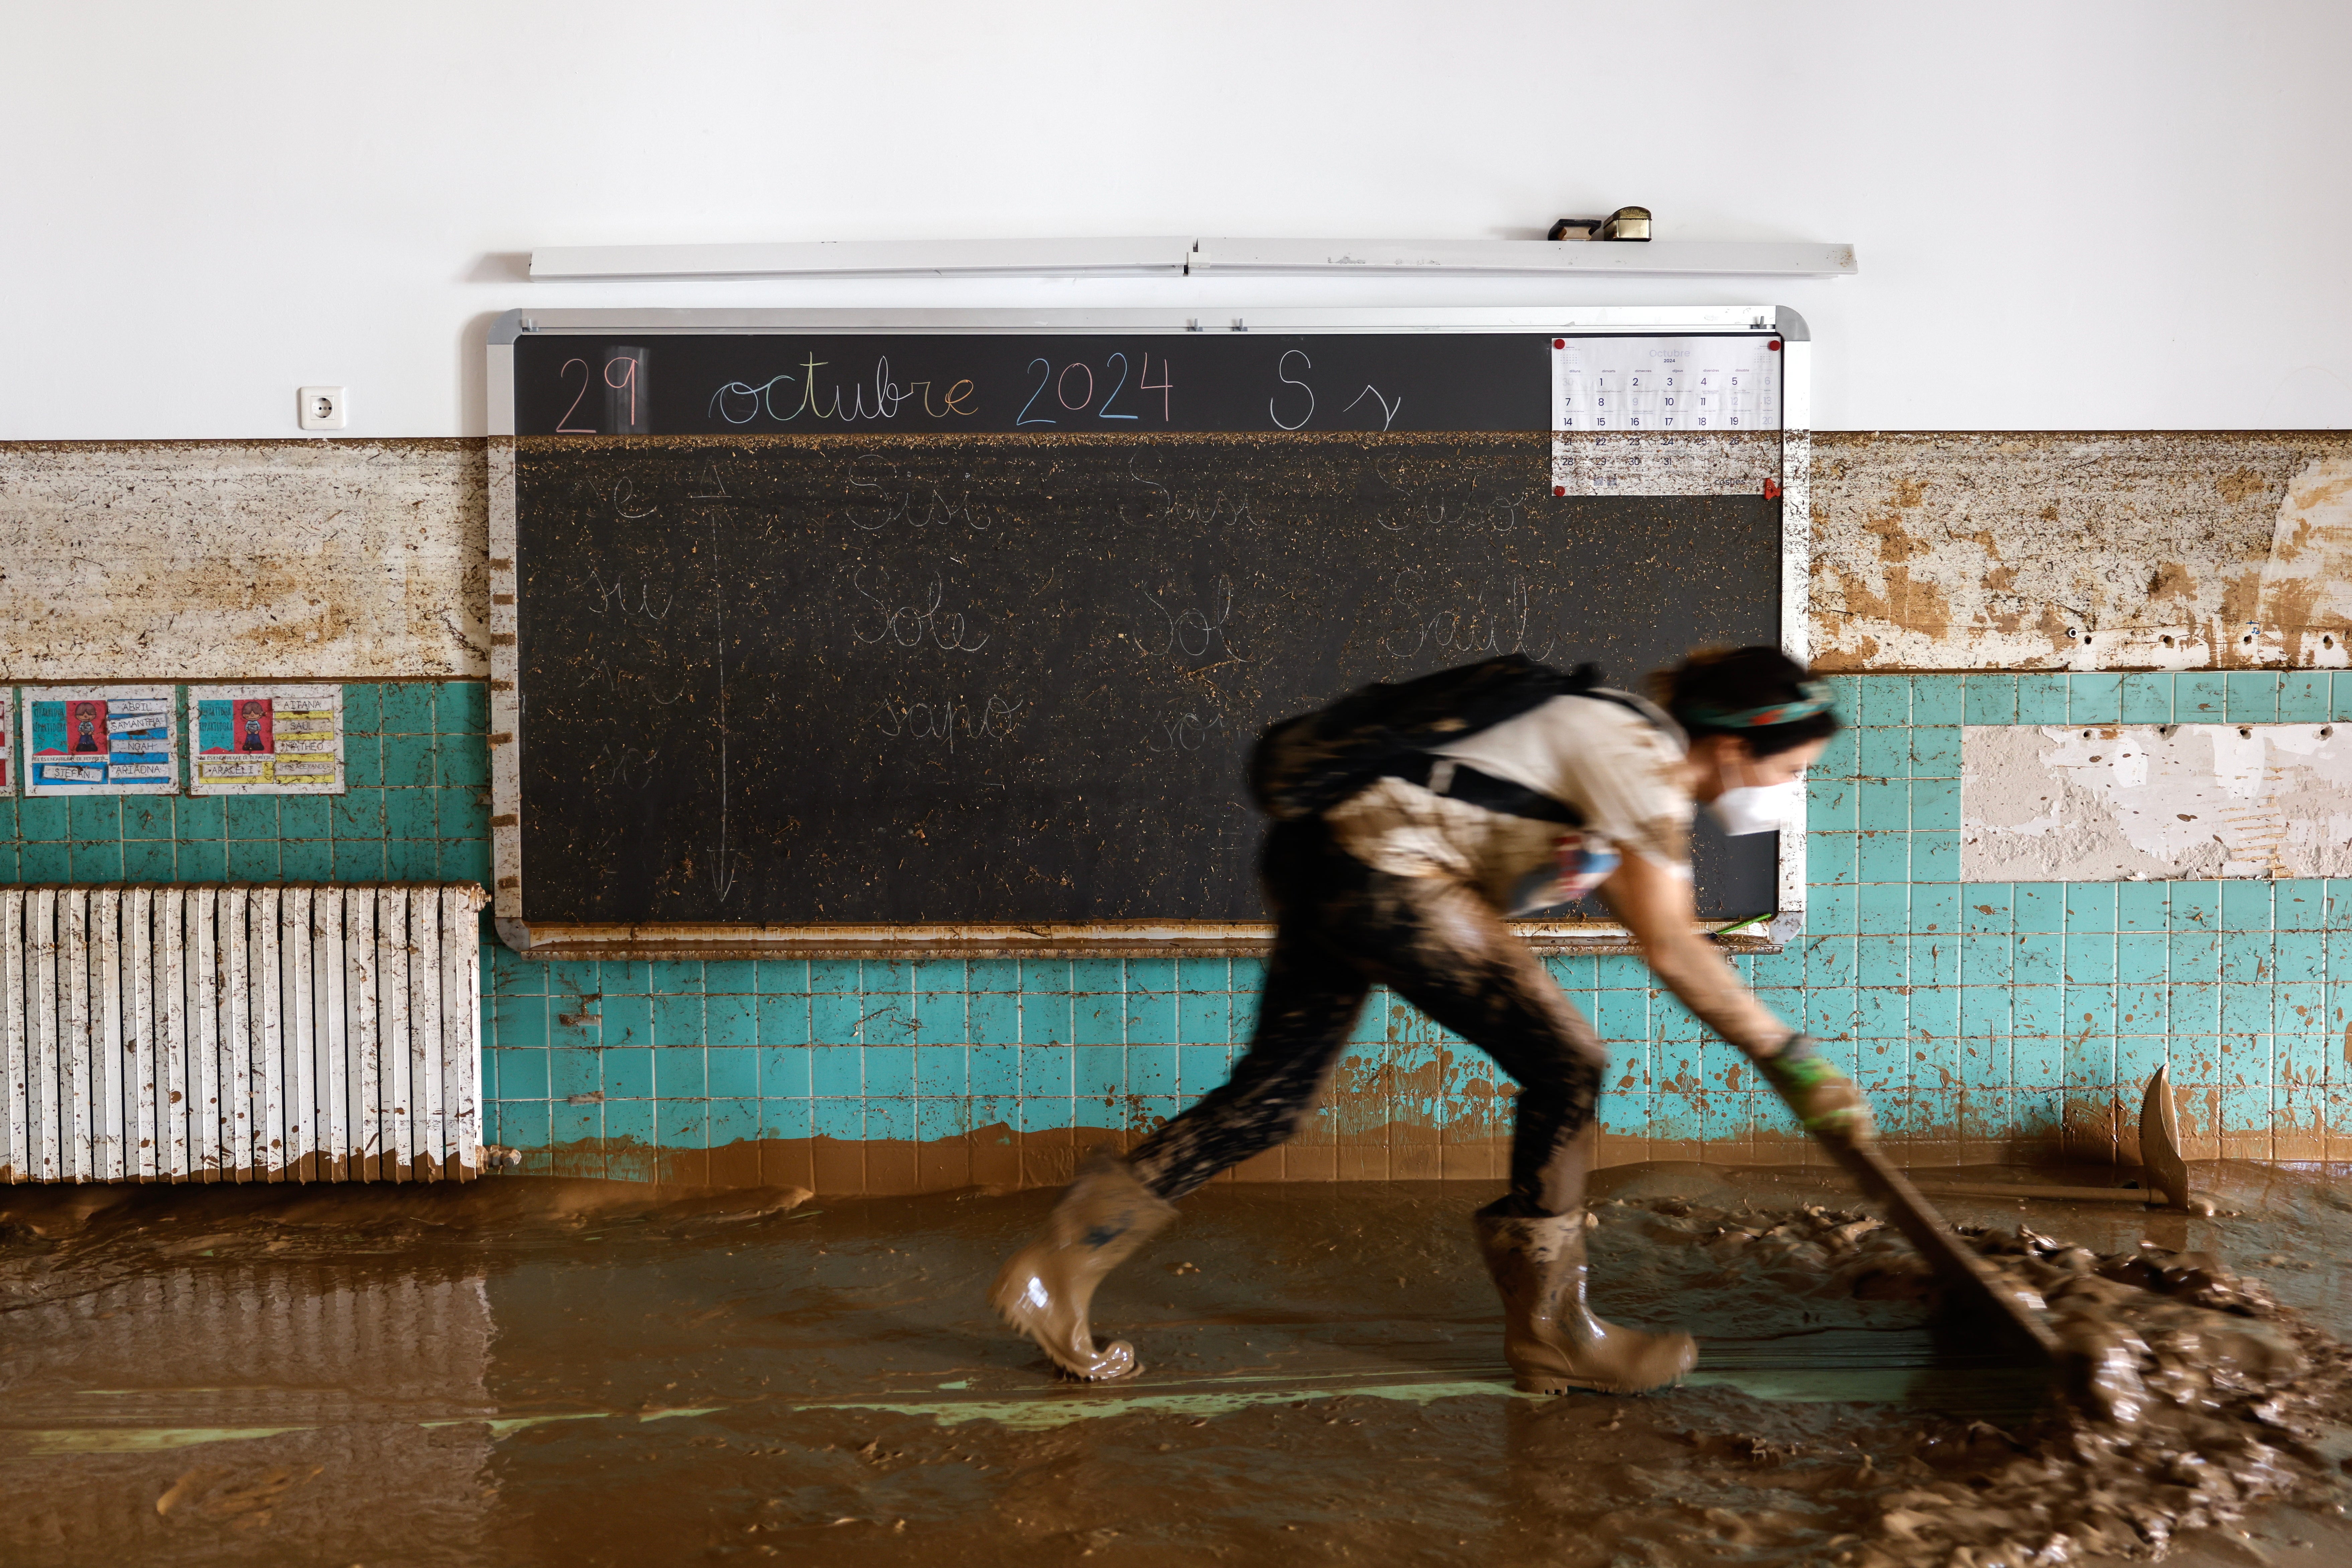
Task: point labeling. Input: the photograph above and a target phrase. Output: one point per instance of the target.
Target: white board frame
(1105, 938)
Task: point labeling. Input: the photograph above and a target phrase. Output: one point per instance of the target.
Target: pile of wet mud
(2195, 1394)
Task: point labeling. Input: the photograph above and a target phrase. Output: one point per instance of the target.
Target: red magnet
(1771, 490)
(1560, 490)
(1774, 346)
(1560, 343)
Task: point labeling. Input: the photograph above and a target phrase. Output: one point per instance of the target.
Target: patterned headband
(1815, 699)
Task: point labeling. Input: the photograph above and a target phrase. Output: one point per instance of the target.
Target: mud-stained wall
(2144, 551)
(1991, 1013)
(363, 560)
(222, 560)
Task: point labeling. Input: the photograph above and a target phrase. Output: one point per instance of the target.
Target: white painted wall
(2078, 216)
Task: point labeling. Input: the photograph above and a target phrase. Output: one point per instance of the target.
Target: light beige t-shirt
(1615, 765)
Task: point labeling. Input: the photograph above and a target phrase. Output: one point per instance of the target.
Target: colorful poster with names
(110, 740)
(266, 740)
(7, 740)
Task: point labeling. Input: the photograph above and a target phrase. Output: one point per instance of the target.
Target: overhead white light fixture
(1172, 256)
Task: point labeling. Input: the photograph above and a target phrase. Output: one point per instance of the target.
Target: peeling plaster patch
(2158, 550)
(2305, 601)
(2103, 802)
(242, 560)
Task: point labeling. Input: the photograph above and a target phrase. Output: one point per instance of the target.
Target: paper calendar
(1657, 416)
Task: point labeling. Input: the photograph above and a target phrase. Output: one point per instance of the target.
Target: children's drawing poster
(108, 740)
(7, 738)
(266, 740)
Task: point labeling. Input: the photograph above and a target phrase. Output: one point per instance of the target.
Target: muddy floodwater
(526, 1372)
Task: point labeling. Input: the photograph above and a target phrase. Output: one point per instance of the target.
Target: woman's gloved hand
(1828, 1104)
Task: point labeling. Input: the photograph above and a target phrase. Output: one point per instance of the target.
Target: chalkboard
(879, 652)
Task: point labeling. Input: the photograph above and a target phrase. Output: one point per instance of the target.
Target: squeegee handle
(1970, 1278)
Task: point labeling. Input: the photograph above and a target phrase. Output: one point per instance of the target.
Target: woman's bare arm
(1658, 907)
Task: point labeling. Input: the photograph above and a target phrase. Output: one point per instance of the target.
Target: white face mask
(1759, 808)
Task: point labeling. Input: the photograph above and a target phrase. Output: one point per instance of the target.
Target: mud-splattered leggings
(1343, 927)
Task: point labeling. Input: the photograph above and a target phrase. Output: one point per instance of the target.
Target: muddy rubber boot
(1044, 1289)
(1550, 1338)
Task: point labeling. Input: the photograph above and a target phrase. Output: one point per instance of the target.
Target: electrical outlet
(323, 407)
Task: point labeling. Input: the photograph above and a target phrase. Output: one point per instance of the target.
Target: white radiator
(240, 1033)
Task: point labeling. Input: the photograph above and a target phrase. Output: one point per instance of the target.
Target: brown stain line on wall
(1371, 1144)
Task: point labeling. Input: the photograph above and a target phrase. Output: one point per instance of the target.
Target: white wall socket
(323, 407)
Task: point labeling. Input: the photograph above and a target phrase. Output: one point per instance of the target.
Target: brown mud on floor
(581, 1372)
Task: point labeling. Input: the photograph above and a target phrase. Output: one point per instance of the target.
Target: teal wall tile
(2041, 699)
(2090, 906)
(407, 707)
(773, 977)
(1884, 754)
(2094, 699)
(2199, 698)
(2303, 697)
(2299, 904)
(2143, 906)
(784, 1074)
(941, 1071)
(939, 1016)
(731, 1019)
(1938, 700)
(1989, 700)
(1936, 904)
(2037, 958)
(103, 862)
(2147, 698)
(2245, 906)
(2251, 696)
(993, 1071)
(1936, 753)
(2141, 956)
(2038, 906)
(2090, 958)
(992, 1018)
(1882, 699)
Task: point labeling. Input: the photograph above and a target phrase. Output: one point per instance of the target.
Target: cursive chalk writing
(898, 497)
(821, 397)
(1193, 633)
(1188, 732)
(911, 626)
(615, 596)
(949, 720)
(1482, 628)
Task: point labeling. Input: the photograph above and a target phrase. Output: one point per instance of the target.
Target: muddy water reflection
(572, 1372)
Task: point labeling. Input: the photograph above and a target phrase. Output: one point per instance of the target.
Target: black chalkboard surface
(893, 670)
